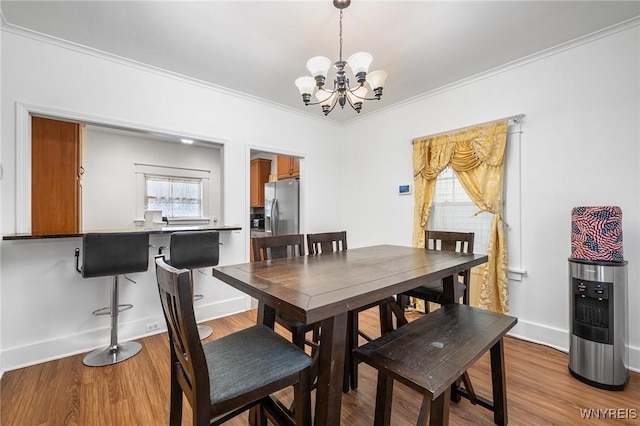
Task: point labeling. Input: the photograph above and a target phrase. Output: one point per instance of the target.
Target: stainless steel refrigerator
(282, 207)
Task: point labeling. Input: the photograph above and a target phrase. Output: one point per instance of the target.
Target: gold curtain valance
(463, 150)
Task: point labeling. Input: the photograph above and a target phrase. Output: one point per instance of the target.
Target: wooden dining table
(324, 288)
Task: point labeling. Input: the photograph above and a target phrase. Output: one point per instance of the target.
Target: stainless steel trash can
(598, 353)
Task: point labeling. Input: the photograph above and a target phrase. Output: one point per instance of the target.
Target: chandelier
(342, 93)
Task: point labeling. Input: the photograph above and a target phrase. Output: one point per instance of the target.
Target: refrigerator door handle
(268, 223)
(274, 217)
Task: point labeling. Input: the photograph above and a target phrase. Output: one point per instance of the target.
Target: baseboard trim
(63, 346)
(50, 350)
(559, 339)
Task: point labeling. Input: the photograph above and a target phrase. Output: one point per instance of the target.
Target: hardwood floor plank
(65, 393)
(540, 389)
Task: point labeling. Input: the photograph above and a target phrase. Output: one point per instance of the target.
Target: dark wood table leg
(386, 318)
(383, 400)
(266, 315)
(448, 291)
(398, 311)
(331, 370)
(350, 380)
(499, 383)
(402, 300)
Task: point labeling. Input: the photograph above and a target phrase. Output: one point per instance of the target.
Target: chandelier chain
(340, 35)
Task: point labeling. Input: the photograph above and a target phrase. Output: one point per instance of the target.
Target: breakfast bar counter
(159, 230)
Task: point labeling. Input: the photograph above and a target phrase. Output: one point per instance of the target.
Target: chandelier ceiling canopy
(342, 92)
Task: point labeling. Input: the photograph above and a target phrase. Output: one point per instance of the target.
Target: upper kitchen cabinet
(288, 167)
(56, 160)
(260, 170)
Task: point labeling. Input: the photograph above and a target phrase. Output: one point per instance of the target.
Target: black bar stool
(193, 250)
(113, 254)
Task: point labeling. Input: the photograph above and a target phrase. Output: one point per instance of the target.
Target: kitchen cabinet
(260, 170)
(56, 170)
(288, 167)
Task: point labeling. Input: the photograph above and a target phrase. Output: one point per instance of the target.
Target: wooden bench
(431, 353)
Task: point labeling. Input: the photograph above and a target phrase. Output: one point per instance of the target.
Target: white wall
(46, 305)
(580, 146)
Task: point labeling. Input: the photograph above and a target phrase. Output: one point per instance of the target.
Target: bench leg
(383, 400)
(455, 394)
(423, 417)
(439, 415)
(499, 383)
(468, 392)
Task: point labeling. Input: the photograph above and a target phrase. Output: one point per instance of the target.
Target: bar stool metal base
(112, 354)
(116, 351)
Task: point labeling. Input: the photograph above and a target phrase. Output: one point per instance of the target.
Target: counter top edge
(165, 230)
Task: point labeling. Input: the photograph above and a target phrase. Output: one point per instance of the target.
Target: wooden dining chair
(328, 242)
(230, 375)
(278, 247)
(461, 242)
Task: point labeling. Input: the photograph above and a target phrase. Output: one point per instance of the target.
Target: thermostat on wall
(404, 189)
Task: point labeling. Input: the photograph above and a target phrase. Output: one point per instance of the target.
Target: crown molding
(96, 53)
(572, 44)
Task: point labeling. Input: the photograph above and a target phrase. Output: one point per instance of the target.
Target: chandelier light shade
(359, 63)
(342, 91)
(306, 84)
(319, 66)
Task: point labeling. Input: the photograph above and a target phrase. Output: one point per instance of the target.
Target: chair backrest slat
(278, 247)
(327, 242)
(187, 355)
(461, 242)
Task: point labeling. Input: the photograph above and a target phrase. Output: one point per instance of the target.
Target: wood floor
(135, 392)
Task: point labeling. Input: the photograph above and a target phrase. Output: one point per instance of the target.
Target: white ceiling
(260, 47)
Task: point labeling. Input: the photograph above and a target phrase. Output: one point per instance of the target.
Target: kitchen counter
(257, 232)
(159, 230)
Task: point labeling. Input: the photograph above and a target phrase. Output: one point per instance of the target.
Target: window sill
(194, 221)
(516, 274)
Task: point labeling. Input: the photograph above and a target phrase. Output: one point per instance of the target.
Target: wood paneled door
(56, 165)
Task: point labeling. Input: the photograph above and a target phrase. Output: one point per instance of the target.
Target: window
(176, 197)
(182, 194)
(453, 210)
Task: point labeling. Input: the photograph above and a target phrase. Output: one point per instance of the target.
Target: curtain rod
(513, 117)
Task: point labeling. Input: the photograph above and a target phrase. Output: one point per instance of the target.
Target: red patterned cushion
(596, 233)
